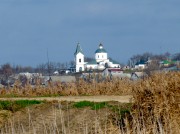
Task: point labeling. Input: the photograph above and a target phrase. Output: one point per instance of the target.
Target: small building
(141, 64)
(56, 72)
(167, 63)
(112, 71)
(172, 68)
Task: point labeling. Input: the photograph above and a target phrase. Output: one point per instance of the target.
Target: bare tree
(41, 68)
(146, 56)
(176, 56)
(6, 70)
(152, 66)
(71, 63)
(139, 57)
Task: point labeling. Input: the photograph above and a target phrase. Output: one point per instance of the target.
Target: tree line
(154, 57)
(48, 68)
(44, 68)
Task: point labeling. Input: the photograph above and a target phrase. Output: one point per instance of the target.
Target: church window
(80, 60)
(80, 69)
(98, 56)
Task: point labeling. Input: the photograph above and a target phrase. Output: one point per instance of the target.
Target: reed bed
(156, 107)
(81, 87)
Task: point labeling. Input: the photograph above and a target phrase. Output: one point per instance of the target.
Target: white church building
(100, 62)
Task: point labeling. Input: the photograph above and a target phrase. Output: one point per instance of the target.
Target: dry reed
(157, 104)
(81, 87)
(156, 107)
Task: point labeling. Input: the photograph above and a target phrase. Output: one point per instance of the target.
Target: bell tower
(79, 59)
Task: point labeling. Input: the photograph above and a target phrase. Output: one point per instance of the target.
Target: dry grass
(106, 87)
(156, 108)
(60, 118)
(157, 104)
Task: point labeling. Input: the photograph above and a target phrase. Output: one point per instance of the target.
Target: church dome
(100, 49)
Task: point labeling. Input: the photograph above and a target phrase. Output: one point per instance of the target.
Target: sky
(29, 29)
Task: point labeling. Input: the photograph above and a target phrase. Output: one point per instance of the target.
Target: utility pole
(48, 64)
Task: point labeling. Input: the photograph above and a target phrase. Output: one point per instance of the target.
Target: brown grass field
(107, 87)
(155, 108)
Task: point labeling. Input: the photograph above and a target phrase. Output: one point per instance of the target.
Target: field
(155, 107)
(106, 87)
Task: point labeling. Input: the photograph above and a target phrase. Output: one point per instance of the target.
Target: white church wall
(101, 57)
(101, 67)
(79, 62)
(79, 58)
(115, 65)
(91, 66)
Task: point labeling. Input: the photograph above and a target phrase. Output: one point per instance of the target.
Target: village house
(167, 63)
(141, 65)
(112, 71)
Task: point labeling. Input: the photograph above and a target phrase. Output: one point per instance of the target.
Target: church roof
(92, 62)
(78, 49)
(168, 62)
(140, 62)
(100, 49)
(113, 61)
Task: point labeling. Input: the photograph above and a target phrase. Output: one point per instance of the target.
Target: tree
(161, 57)
(71, 63)
(152, 66)
(6, 70)
(51, 67)
(139, 57)
(41, 68)
(176, 56)
(146, 56)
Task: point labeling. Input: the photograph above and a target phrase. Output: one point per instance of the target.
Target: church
(100, 62)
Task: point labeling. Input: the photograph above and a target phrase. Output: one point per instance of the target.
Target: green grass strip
(16, 105)
(93, 105)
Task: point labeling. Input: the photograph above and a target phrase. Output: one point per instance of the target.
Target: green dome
(100, 49)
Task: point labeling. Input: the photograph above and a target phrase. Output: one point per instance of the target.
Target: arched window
(80, 69)
(79, 60)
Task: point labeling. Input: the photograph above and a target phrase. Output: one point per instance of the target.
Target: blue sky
(28, 28)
